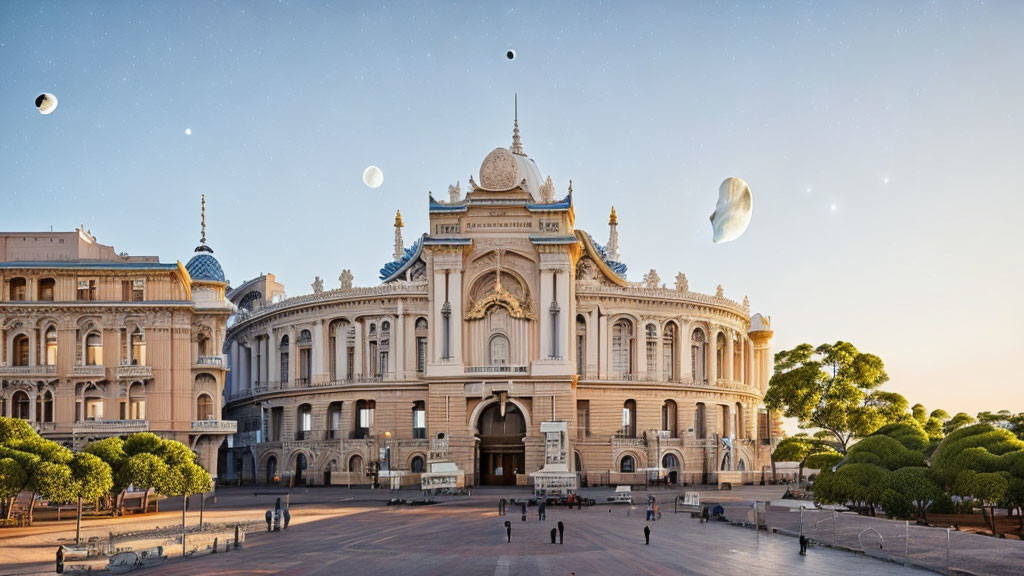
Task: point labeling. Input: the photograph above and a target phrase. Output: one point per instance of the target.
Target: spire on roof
(613, 219)
(517, 144)
(202, 238)
(613, 237)
(399, 243)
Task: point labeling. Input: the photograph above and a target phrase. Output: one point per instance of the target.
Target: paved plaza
(332, 534)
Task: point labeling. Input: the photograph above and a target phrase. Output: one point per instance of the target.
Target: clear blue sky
(882, 142)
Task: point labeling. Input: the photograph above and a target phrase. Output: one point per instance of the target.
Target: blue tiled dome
(204, 267)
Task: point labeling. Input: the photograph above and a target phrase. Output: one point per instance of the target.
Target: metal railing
(225, 426)
(210, 361)
(84, 426)
(497, 369)
(27, 370)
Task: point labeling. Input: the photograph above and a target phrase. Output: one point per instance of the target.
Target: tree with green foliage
(976, 448)
(183, 478)
(12, 479)
(832, 387)
(111, 451)
(29, 450)
(988, 488)
(861, 484)
(917, 485)
(883, 451)
(144, 470)
(920, 413)
(91, 478)
(801, 448)
(957, 422)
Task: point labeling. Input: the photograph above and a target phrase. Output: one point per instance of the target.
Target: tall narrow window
(138, 288)
(726, 422)
(285, 353)
(739, 421)
(555, 313)
(304, 422)
(581, 344)
(720, 356)
(700, 421)
(364, 418)
(334, 421)
(651, 345)
(421, 344)
(446, 313)
(583, 418)
(629, 419)
(419, 420)
(668, 417)
(697, 356)
(668, 351)
(204, 407)
(138, 344)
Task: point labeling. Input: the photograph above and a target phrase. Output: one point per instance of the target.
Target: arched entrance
(300, 469)
(671, 465)
(502, 453)
(272, 470)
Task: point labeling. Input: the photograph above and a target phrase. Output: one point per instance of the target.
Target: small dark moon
(511, 54)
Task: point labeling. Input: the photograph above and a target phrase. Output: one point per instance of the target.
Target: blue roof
(618, 267)
(561, 205)
(392, 269)
(437, 207)
(205, 268)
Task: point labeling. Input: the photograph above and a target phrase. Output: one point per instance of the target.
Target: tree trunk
(145, 501)
(78, 523)
(10, 507)
(31, 507)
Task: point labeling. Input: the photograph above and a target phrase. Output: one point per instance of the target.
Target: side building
(505, 343)
(94, 343)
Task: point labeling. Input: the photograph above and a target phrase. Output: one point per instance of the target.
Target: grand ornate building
(502, 342)
(94, 343)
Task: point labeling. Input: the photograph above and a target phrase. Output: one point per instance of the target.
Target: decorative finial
(202, 240)
(613, 219)
(398, 219)
(517, 144)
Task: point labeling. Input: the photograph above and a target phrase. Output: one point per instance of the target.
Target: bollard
(215, 544)
(236, 536)
(60, 559)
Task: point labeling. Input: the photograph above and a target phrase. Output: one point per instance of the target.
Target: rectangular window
(94, 409)
(126, 291)
(122, 410)
(421, 353)
(583, 418)
(366, 418)
(307, 421)
(138, 288)
(86, 290)
(419, 423)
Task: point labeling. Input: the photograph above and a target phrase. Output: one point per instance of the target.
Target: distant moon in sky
(373, 177)
(732, 213)
(511, 54)
(46, 103)
(188, 131)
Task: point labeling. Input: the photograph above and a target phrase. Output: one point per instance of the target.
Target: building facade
(94, 343)
(501, 318)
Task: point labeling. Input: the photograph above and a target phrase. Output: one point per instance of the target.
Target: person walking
(561, 532)
(650, 510)
(647, 535)
(803, 544)
(501, 507)
(270, 516)
(287, 518)
(508, 530)
(524, 511)
(554, 534)
(540, 511)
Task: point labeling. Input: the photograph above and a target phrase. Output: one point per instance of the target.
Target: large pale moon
(732, 213)
(46, 103)
(373, 177)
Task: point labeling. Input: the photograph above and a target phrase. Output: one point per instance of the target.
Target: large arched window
(668, 351)
(629, 418)
(581, 344)
(498, 350)
(355, 464)
(284, 351)
(20, 405)
(622, 349)
(93, 349)
(21, 355)
(627, 465)
(417, 464)
(47, 406)
(46, 289)
(364, 418)
(700, 421)
(668, 417)
(698, 354)
(334, 421)
(18, 289)
(204, 407)
(50, 339)
(651, 346)
(272, 470)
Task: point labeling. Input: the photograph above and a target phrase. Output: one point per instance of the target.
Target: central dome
(504, 170)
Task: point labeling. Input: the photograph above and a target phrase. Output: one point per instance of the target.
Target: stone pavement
(463, 535)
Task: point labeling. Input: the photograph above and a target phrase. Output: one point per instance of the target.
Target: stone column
(253, 368)
(711, 361)
(340, 352)
(235, 366)
(274, 357)
(605, 348)
(684, 364)
(398, 343)
(318, 351)
(294, 359)
(659, 355)
(730, 360)
(357, 364)
(592, 352)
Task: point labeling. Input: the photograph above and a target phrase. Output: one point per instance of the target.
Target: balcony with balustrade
(127, 371)
(498, 369)
(109, 427)
(88, 371)
(38, 371)
(217, 362)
